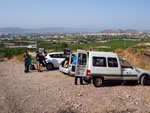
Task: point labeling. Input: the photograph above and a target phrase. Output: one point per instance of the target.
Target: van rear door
(81, 63)
(71, 64)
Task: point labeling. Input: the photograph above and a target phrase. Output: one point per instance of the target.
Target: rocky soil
(53, 92)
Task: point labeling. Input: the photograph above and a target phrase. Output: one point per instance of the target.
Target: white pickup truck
(101, 66)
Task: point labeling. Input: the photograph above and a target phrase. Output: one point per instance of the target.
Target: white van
(101, 66)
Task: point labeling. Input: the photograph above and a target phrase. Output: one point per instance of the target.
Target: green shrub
(10, 52)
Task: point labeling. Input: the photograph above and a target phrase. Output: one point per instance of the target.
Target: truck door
(128, 71)
(113, 68)
(81, 63)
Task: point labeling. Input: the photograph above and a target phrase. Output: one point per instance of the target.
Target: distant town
(29, 40)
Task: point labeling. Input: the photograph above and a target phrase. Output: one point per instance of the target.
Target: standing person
(27, 61)
(38, 61)
(42, 59)
(76, 77)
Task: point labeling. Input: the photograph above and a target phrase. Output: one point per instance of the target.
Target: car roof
(102, 53)
(55, 53)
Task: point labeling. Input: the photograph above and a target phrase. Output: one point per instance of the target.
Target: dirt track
(53, 92)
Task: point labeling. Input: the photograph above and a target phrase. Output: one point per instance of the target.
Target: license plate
(81, 72)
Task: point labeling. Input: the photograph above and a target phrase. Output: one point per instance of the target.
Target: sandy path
(53, 92)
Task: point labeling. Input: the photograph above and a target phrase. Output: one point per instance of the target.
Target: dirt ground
(53, 92)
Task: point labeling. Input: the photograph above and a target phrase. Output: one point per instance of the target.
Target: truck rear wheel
(87, 80)
(97, 82)
(145, 80)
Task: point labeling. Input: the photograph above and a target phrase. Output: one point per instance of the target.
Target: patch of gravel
(53, 92)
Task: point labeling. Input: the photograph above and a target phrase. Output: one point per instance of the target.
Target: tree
(64, 45)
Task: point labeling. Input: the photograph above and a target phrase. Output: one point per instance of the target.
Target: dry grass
(1, 59)
(19, 57)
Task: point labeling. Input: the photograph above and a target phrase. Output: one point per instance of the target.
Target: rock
(128, 96)
(59, 96)
(77, 105)
(136, 103)
(38, 89)
(79, 94)
(2, 98)
(28, 96)
(45, 112)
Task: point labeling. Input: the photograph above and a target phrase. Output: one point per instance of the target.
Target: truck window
(99, 61)
(112, 62)
(82, 58)
(125, 64)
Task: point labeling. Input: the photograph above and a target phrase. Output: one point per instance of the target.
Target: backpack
(32, 67)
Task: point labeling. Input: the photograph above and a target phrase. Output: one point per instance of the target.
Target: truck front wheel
(145, 80)
(97, 82)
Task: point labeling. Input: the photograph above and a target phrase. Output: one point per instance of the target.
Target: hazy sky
(124, 14)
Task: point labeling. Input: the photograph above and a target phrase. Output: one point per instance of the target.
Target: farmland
(11, 45)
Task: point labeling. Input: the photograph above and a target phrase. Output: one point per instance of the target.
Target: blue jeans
(76, 80)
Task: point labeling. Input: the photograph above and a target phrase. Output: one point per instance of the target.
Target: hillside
(53, 92)
(139, 58)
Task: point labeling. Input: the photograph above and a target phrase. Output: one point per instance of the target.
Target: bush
(64, 45)
(10, 52)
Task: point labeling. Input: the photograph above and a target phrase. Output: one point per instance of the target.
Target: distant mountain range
(119, 31)
(60, 30)
(43, 30)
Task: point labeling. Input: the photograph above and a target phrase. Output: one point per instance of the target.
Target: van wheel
(49, 66)
(63, 73)
(145, 80)
(87, 80)
(97, 82)
(69, 73)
